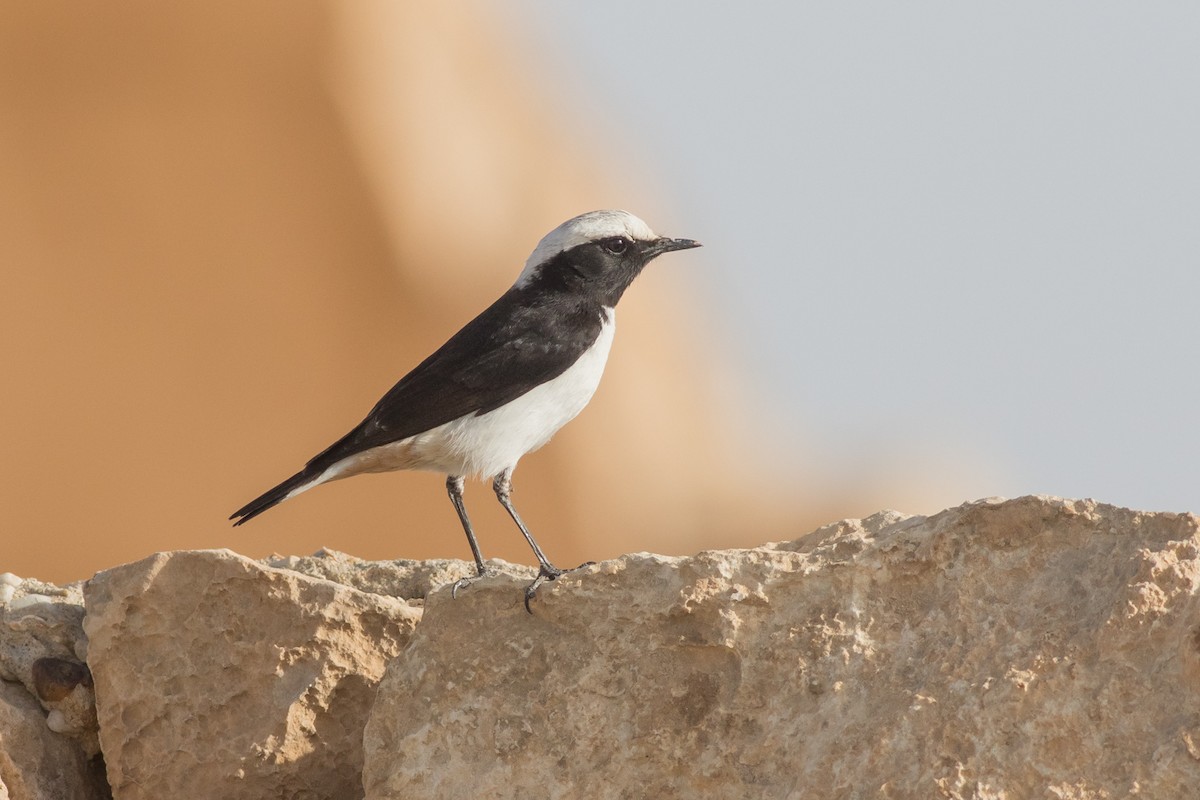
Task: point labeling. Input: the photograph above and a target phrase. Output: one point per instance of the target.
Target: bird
(506, 382)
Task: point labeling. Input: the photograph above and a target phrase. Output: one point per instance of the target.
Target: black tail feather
(271, 498)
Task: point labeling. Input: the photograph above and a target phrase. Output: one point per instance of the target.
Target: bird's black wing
(517, 343)
(514, 345)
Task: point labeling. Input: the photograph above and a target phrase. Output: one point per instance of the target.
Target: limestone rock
(405, 578)
(42, 646)
(37, 620)
(218, 677)
(1003, 649)
(36, 763)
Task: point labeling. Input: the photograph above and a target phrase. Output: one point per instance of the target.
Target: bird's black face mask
(604, 269)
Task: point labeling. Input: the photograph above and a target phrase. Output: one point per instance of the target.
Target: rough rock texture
(37, 763)
(218, 677)
(42, 647)
(400, 578)
(1033, 648)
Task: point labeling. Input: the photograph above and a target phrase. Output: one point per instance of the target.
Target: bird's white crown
(590, 227)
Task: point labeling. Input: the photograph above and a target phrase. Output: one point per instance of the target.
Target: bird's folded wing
(496, 358)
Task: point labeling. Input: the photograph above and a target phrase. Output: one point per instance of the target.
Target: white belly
(487, 444)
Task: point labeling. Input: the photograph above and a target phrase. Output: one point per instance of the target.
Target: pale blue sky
(942, 231)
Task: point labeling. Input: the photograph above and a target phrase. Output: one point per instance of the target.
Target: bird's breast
(484, 445)
(487, 444)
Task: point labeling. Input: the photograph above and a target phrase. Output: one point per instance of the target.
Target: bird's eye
(615, 245)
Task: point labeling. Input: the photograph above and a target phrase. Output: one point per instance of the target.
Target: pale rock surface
(400, 578)
(35, 762)
(42, 647)
(218, 677)
(1032, 648)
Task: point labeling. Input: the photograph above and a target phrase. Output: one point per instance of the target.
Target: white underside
(483, 446)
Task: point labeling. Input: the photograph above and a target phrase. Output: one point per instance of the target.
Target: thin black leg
(546, 571)
(503, 488)
(454, 487)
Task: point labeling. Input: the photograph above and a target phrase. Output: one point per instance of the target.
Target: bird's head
(598, 253)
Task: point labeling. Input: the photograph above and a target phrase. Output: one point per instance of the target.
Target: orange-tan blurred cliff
(229, 228)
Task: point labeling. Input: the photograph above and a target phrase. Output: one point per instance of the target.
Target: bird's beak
(666, 245)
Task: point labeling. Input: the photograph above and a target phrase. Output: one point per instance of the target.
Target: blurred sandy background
(229, 228)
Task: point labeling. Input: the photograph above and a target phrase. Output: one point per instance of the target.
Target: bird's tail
(293, 485)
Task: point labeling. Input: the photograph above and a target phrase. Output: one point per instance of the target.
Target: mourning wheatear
(505, 383)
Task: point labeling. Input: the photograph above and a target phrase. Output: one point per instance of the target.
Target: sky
(947, 234)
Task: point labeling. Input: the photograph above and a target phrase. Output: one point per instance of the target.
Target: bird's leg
(502, 485)
(454, 487)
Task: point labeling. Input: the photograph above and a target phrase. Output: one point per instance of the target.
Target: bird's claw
(463, 583)
(547, 573)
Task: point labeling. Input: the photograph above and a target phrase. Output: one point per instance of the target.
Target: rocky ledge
(1035, 647)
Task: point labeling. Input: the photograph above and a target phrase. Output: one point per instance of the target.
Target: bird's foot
(463, 583)
(548, 572)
